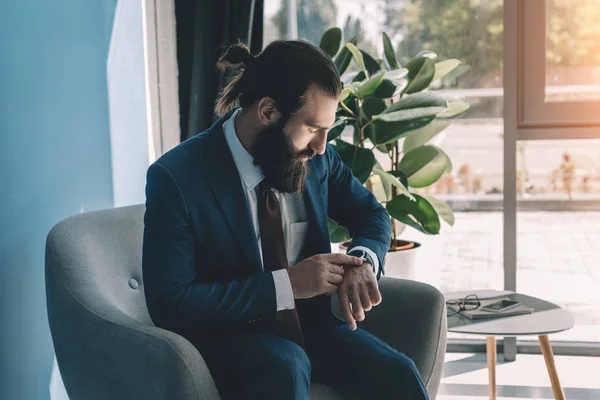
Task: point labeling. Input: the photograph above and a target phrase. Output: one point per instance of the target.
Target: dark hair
(284, 71)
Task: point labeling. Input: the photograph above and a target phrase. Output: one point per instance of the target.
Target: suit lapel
(228, 189)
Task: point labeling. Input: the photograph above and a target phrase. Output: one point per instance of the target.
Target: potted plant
(392, 113)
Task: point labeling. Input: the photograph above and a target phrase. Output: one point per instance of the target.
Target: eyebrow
(316, 126)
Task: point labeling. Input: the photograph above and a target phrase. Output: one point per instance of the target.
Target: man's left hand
(358, 290)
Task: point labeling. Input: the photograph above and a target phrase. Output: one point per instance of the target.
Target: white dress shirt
(293, 214)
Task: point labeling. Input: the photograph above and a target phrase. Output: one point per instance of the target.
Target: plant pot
(400, 260)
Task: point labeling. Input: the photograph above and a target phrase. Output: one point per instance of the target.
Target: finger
(345, 309)
(365, 299)
(343, 259)
(375, 295)
(330, 289)
(336, 269)
(357, 310)
(335, 279)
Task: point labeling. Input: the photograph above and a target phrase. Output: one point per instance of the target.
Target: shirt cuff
(283, 290)
(373, 257)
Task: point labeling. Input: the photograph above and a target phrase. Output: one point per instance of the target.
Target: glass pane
(558, 227)
(572, 50)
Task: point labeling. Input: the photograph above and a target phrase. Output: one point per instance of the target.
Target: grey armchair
(108, 348)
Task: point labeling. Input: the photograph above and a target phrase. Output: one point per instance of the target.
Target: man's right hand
(319, 274)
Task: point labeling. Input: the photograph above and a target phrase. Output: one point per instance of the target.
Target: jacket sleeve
(176, 299)
(353, 206)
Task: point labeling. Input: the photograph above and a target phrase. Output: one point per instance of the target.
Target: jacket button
(133, 283)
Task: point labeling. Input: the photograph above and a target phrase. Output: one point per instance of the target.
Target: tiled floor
(466, 376)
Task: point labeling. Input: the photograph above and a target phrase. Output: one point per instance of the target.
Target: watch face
(358, 253)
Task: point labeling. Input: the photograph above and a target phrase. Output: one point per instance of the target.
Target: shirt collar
(251, 174)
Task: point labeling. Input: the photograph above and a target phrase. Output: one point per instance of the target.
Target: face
(284, 147)
(307, 129)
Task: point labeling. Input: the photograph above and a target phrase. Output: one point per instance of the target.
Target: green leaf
(373, 106)
(368, 131)
(421, 136)
(356, 134)
(401, 177)
(443, 68)
(384, 148)
(410, 114)
(388, 51)
(347, 91)
(396, 74)
(341, 145)
(385, 90)
(342, 60)
(350, 103)
(411, 221)
(386, 184)
(448, 167)
(427, 53)
(337, 129)
(455, 107)
(419, 214)
(389, 132)
(359, 77)
(420, 74)
(458, 71)
(359, 160)
(418, 100)
(331, 40)
(422, 107)
(358, 57)
(424, 165)
(370, 63)
(388, 180)
(369, 86)
(442, 208)
(337, 233)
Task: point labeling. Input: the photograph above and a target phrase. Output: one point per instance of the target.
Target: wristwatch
(362, 254)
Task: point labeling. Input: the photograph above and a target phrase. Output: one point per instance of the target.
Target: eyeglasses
(469, 303)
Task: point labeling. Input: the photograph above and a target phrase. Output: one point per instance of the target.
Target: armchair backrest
(94, 260)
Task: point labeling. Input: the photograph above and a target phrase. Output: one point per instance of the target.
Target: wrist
(364, 256)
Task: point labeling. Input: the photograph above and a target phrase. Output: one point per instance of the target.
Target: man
(236, 253)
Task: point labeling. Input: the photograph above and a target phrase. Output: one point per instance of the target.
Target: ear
(268, 114)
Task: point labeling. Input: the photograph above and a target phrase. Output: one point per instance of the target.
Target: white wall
(127, 105)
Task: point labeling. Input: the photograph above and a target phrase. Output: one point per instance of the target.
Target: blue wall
(54, 161)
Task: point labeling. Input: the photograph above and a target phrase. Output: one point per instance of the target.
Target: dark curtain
(204, 31)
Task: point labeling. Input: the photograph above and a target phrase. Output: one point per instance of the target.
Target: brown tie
(275, 257)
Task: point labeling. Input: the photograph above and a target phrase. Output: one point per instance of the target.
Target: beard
(283, 166)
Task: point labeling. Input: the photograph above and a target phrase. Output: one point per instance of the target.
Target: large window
(572, 50)
(558, 228)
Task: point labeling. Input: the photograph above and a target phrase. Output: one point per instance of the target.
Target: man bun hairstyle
(235, 55)
(283, 71)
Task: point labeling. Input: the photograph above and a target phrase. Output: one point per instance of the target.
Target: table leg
(491, 363)
(559, 394)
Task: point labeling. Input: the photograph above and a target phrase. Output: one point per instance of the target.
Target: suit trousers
(261, 365)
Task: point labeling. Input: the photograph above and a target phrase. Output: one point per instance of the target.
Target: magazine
(478, 313)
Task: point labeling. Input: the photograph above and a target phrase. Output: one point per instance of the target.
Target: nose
(319, 144)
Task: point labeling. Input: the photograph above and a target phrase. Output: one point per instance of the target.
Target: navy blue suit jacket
(202, 270)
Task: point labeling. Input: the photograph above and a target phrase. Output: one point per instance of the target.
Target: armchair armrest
(104, 353)
(124, 359)
(412, 319)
